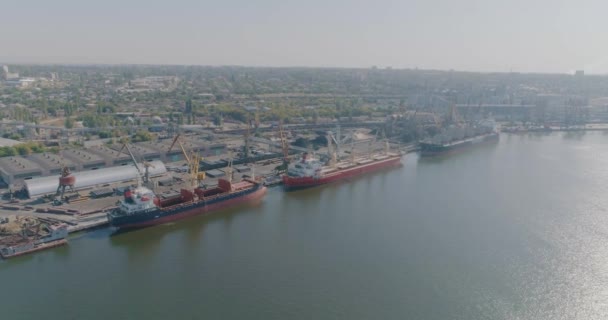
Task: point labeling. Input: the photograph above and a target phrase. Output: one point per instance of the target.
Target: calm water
(514, 230)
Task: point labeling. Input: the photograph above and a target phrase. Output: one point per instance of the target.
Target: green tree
(7, 151)
(69, 123)
(68, 109)
(104, 135)
(23, 149)
(188, 107)
(142, 135)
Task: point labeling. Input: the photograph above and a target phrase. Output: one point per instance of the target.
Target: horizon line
(373, 67)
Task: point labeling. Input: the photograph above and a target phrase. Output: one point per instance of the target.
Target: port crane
(284, 147)
(145, 176)
(335, 142)
(66, 179)
(193, 161)
(247, 134)
(282, 144)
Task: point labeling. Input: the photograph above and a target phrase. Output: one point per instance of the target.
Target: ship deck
(457, 142)
(359, 161)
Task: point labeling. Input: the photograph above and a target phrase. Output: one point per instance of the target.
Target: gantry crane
(66, 179)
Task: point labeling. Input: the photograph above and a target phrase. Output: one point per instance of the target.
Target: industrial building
(17, 169)
(50, 163)
(40, 186)
(500, 112)
(112, 157)
(160, 149)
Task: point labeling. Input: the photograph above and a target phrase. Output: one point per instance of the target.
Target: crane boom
(125, 145)
(133, 159)
(284, 145)
(181, 146)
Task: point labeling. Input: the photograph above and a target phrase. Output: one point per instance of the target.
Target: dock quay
(89, 222)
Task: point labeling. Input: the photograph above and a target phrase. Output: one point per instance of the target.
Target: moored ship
(23, 243)
(457, 137)
(311, 171)
(141, 207)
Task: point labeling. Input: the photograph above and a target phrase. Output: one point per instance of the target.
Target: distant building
(153, 82)
(501, 112)
(6, 75)
(579, 73)
(250, 108)
(20, 82)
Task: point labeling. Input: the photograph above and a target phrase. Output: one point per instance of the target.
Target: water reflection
(6, 263)
(146, 242)
(574, 134)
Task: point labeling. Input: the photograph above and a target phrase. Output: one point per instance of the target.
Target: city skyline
(530, 37)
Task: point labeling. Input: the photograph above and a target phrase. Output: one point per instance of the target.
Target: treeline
(284, 112)
(25, 149)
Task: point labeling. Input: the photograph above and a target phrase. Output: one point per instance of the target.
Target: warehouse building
(112, 157)
(40, 186)
(84, 159)
(51, 163)
(16, 169)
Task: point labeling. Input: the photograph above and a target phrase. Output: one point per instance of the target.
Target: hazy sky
(476, 35)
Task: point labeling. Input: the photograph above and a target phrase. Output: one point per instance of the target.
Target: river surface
(512, 230)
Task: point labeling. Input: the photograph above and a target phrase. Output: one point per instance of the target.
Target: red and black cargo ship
(141, 207)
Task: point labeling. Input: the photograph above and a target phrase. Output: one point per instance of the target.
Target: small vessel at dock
(33, 238)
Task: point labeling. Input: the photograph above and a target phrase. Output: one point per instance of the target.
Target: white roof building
(86, 179)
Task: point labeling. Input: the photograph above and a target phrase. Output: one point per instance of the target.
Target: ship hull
(160, 216)
(295, 183)
(430, 149)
